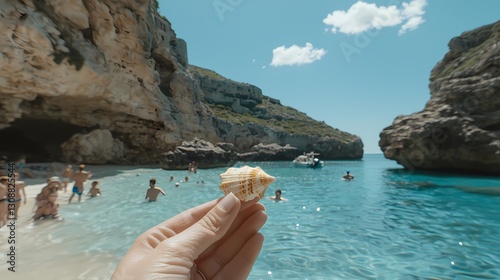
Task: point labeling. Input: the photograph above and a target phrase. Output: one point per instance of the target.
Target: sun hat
(53, 179)
(4, 178)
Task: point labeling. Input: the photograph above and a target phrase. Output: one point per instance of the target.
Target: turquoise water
(385, 224)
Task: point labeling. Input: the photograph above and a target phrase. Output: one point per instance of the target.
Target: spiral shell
(245, 182)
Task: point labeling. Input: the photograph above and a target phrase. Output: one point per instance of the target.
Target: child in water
(95, 189)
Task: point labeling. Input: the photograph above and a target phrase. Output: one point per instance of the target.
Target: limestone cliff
(459, 128)
(103, 81)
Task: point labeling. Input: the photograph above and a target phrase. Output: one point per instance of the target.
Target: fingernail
(228, 202)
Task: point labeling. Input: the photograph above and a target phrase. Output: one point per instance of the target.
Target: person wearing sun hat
(55, 182)
(53, 185)
(46, 199)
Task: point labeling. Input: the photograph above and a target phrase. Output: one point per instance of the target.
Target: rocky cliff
(103, 81)
(459, 128)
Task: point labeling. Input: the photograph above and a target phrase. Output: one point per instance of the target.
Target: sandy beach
(28, 235)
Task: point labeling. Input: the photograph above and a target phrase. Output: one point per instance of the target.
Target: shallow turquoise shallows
(385, 224)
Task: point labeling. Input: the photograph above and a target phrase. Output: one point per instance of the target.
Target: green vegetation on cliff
(206, 73)
(471, 56)
(272, 114)
(281, 119)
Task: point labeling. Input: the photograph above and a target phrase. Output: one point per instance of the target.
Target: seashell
(245, 182)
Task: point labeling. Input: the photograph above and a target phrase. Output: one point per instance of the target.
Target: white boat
(308, 160)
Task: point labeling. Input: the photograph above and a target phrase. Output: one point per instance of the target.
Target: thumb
(209, 229)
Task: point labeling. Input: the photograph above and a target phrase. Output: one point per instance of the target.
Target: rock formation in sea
(208, 155)
(459, 128)
(103, 81)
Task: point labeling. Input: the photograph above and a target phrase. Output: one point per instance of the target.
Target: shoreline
(33, 186)
(28, 233)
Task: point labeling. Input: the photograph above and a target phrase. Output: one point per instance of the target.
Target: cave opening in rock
(39, 140)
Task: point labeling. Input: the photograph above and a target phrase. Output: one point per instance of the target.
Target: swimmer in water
(277, 196)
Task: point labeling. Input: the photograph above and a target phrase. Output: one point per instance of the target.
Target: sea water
(387, 223)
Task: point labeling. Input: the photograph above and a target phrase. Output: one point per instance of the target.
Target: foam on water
(385, 224)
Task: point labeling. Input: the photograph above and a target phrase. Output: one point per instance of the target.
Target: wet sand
(56, 260)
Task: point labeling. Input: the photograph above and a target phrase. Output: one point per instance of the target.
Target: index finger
(175, 225)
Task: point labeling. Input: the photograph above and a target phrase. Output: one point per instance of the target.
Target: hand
(218, 239)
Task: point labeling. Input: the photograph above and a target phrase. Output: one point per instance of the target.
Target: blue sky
(354, 64)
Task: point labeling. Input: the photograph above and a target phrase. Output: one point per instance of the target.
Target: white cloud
(296, 55)
(411, 24)
(253, 60)
(263, 67)
(412, 11)
(363, 16)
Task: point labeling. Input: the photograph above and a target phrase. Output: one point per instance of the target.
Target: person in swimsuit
(277, 196)
(66, 176)
(46, 199)
(95, 189)
(50, 208)
(347, 176)
(19, 188)
(153, 191)
(80, 178)
(53, 185)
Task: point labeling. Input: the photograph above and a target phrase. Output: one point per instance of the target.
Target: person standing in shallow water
(19, 188)
(153, 191)
(80, 177)
(66, 176)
